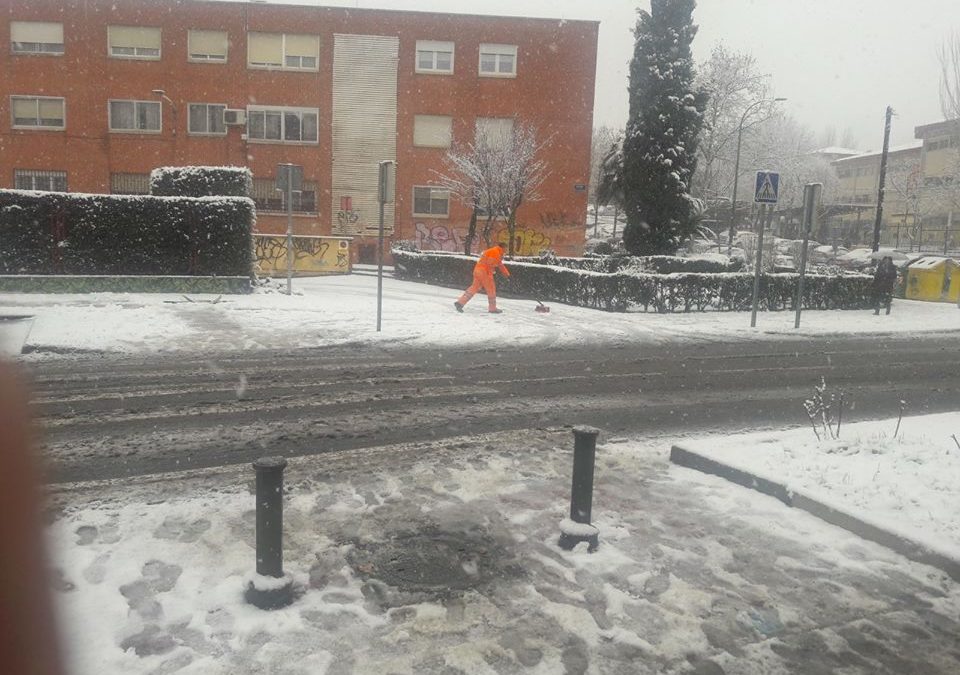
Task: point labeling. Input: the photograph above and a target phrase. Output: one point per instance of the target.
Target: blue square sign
(767, 190)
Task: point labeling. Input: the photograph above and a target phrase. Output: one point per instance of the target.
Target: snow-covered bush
(622, 290)
(72, 233)
(201, 181)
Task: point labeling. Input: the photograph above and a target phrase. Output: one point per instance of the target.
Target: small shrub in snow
(201, 181)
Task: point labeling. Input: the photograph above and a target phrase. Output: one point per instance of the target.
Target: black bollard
(270, 537)
(578, 527)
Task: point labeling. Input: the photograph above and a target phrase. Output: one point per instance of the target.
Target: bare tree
(522, 174)
(732, 80)
(470, 173)
(493, 176)
(949, 55)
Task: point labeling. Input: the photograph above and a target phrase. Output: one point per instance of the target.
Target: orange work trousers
(482, 278)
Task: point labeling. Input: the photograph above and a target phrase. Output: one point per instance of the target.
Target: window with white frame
(497, 131)
(36, 37)
(498, 60)
(130, 183)
(283, 51)
(134, 42)
(282, 125)
(38, 112)
(432, 131)
(46, 181)
(207, 46)
(267, 197)
(434, 57)
(206, 118)
(431, 202)
(137, 116)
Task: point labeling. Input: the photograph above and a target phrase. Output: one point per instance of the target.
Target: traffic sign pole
(766, 191)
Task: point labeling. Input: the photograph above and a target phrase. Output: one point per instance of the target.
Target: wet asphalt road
(116, 416)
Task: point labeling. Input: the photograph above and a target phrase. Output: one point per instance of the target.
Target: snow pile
(909, 483)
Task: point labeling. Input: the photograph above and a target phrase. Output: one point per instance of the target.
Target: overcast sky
(839, 62)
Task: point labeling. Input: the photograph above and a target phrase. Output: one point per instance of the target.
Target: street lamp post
(736, 166)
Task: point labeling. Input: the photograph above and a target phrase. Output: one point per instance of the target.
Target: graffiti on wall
(311, 255)
(437, 238)
(526, 241)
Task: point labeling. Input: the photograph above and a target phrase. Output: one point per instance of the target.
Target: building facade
(854, 203)
(94, 94)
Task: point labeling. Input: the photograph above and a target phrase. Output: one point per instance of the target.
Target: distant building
(96, 93)
(921, 197)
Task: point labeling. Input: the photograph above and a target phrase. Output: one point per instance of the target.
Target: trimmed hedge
(71, 233)
(623, 291)
(201, 181)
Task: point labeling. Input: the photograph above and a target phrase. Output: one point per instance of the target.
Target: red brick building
(96, 93)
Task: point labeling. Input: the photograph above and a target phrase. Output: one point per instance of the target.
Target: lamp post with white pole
(736, 166)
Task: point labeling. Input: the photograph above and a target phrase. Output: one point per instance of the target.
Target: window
(130, 183)
(134, 42)
(37, 112)
(283, 51)
(498, 60)
(141, 116)
(206, 118)
(434, 57)
(46, 181)
(429, 201)
(36, 37)
(268, 198)
(432, 131)
(496, 130)
(207, 46)
(282, 125)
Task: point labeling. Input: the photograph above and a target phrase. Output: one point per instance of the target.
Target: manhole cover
(434, 561)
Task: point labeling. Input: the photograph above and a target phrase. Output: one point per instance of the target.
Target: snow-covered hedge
(623, 290)
(652, 264)
(72, 233)
(201, 181)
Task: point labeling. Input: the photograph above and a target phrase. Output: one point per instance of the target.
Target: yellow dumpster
(933, 278)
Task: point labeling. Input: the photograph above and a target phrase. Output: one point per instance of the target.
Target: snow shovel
(542, 308)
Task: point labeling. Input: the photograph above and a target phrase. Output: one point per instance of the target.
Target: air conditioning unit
(234, 117)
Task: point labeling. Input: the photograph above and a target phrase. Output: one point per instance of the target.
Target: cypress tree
(666, 113)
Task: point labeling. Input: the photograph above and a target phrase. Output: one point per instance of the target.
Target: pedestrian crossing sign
(768, 187)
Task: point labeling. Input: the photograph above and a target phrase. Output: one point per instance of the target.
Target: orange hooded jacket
(490, 260)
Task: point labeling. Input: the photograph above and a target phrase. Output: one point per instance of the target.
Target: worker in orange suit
(490, 260)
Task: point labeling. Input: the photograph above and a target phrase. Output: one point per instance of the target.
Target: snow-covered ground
(342, 310)
(908, 484)
(691, 571)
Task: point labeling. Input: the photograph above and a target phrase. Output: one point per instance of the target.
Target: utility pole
(883, 177)
(385, 194)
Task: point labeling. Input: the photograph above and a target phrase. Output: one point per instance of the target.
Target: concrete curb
(903, 545)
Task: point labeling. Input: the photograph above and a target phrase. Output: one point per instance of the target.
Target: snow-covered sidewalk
(443, 558)
(908, 484)
(342, 310)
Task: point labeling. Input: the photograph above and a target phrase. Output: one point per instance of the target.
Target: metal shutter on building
(208, 43)
(302, 45)
(134, 36)
(36, 31)
(432, 131)
(265, 49)
(364, 128)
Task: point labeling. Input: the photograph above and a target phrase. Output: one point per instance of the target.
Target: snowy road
(118, 416)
